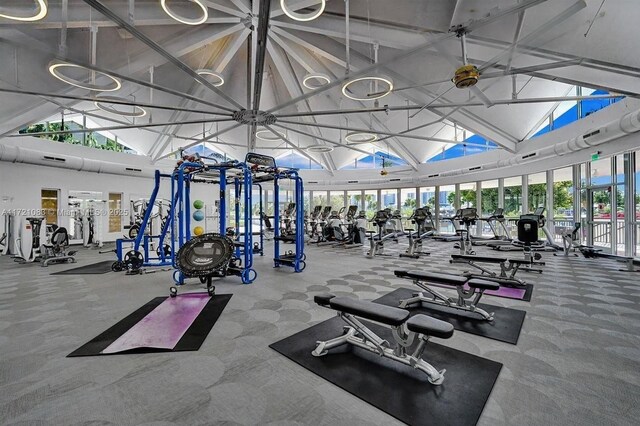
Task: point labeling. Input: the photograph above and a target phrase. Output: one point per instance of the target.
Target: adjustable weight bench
(467, 300)
(508, 268)
(405, 330)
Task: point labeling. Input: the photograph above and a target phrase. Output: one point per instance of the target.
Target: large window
(306, 201)
(563, 214)
(537, 191)
(354, 198)
(489, 197)
(389, 198)
(513, 197)
(115, 212)
(370, 202)
(601, 171)
(428, 197)
(319, 198)
(468, 195)
(408, 201)
(49, 205)
(336, 199)
(446, 208)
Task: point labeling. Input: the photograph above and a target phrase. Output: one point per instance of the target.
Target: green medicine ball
(198, 204)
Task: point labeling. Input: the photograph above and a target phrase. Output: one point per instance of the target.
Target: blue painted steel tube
(261, 224)
(148, 211)
(276, 220)
(222, 207)
(187, 207)
(248, 237)
(236, 209)
(299, 221)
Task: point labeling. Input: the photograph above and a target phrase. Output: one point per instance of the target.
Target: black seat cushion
(484, 259)
(323, 299)
(369, 310)
(483, 284)
(424, 324)
(519, 261)
(433, 277)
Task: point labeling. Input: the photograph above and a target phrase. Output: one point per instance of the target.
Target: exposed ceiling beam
(100, 7)
(199, 141)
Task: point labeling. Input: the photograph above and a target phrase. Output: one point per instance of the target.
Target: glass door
(600, 218)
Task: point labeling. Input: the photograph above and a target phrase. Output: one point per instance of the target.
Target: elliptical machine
(376, 245)
(419, 217)
(468, 217)
(357, 230)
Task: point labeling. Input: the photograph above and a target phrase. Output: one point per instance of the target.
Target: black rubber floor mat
(95, 268)
(505, 326)
(191, 340)
(394, 388)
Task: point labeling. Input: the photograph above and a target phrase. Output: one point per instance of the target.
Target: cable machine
(265, 169)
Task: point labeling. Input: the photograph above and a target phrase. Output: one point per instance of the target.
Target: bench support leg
(440, 299)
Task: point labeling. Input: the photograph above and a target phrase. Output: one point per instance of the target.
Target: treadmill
(450, 237)
(497, 217)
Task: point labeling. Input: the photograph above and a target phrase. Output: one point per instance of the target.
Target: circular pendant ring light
(315, 81)
(55, 67)
(319, 148)
(104, 103)
(360, 137)
(381, 94)
(218, 80)
(304, 17)
(267, 135)
(41, 11)
(183, 19)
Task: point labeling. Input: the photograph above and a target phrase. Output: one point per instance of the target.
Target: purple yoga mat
(164, 326)
(508, 292)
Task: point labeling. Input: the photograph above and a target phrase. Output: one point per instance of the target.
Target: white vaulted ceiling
(414, 45)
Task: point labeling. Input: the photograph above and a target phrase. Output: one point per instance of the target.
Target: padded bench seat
(485, 259)
(430, 326)
(369, 310)
(434, 277)
(447, 279)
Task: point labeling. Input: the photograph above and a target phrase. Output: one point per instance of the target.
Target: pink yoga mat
(164, 326)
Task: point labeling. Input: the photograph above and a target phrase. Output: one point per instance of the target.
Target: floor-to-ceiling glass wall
(428, 199)
(370, 206)
(336, 200)
(488, 206)
(319, 198)
(408, 203)
(446, 208)
(512, 202)
(354, 198)
(389, 199)
(599, 204)
(618, 219)
(563, 216)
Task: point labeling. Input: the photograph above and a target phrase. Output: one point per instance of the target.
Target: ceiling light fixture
(302, 16)
(315, 81)
(40, 7)
(360, 137)
(55, 67)
(322, 149)
(218, 79)
(371, 96)
(104, 103)
(183, 19)
(267, 135)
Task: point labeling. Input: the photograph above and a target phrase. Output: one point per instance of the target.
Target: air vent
(436, 175)
(471, 169)
(58, 159)
(533, 154)
(588, 135)
(130, 169)
(311, 181)
(353, 181)
(394, 180)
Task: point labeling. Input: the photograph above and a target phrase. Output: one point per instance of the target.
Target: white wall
(20, 186)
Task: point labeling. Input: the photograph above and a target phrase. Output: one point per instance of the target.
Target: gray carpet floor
(577, 361)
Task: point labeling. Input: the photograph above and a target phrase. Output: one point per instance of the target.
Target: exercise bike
(419, 218)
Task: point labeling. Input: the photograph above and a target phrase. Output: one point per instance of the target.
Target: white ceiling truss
(529, 53)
